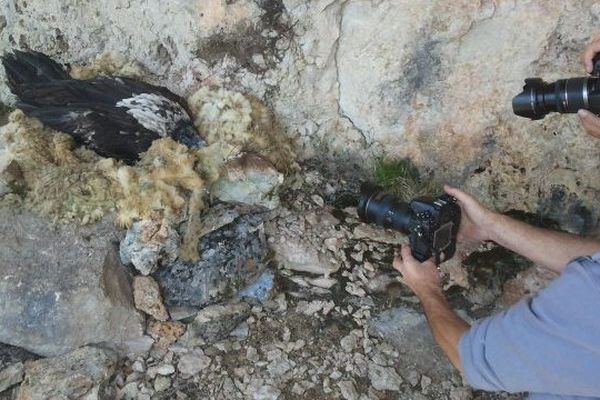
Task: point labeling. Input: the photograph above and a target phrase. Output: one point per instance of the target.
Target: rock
(267, 392)
(11, 375)
(348, 390)
(70, 376)
(350, 341)
(249, 179)
(166, 333)
(408, 332)
(279, 363)
(214, 323)
(425, 383)
(147, 298)
(149, 244)
(259, 289)
(241, 331)
(12, 355)
(297, 241)
(230, 257)
(162, 383)
(190, 364)
(377, 234)
(384, 378)
(64, 287)
(526, 283)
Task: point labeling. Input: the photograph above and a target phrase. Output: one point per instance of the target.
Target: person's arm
(446, 326)
(542, 246)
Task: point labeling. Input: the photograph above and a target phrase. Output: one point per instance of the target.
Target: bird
(114, 116)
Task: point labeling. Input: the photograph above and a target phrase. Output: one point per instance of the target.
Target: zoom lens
(375, 206)
(539, 98)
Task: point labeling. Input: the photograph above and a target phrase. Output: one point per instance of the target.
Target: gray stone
(267, 392)
(11, 355)
(384, 378)
(249, 179)
(62, 287)
(215, 322)
(230, 257)
(149, 244)
(147, 298)
(193, 362)
(70, 376)
(348, 390)
(408, 331)
(162, 383)
(11, 375)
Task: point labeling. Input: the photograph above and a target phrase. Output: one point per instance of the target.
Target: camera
(431, 223)
(539, 98)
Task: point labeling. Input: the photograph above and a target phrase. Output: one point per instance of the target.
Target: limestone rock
(345, 87)
(11, 375)
(193, 362)
(215, 322)
(249, 179)
(297, 241)
(149, 244)
(408, 332)
(230, 257)
(70, 376)
(267, 392)
(62, 287)
(147, 298)
(166, 333)
(384, 378)
(348, 390)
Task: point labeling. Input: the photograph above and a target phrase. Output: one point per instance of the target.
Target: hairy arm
(446, 326)
(545, 247)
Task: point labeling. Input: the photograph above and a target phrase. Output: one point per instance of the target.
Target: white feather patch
(155, 113)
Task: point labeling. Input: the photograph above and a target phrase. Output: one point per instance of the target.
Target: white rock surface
(430, 80)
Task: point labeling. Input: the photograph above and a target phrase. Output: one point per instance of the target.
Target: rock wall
(355, 79)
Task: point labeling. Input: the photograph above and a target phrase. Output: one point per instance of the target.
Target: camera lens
(375, 206)
(539, 98)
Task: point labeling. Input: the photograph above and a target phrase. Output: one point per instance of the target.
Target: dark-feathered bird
(116, 117)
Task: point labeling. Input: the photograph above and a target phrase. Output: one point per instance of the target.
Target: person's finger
(407, 253)
(589, 53)
(397, 264)
(590, 122)
(459, 195)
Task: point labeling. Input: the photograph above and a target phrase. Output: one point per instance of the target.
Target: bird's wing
(108, 131)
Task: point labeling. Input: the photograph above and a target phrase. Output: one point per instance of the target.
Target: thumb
(406, 253)
(458, 194)
(584, 114)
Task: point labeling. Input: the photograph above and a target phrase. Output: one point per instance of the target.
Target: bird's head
(186, 133)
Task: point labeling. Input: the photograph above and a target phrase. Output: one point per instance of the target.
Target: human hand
(590, 122)
(476, 220)
(421, 277)
(590, 51)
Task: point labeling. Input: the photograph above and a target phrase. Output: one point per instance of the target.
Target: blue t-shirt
(548, 345)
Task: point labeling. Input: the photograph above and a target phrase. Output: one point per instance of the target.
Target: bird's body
(114, 116)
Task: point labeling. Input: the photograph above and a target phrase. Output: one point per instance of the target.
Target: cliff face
(352, 79)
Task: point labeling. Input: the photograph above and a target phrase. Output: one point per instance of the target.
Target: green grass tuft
(402, 178)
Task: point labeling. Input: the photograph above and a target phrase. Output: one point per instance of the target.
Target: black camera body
(431, 223)
(539, 98)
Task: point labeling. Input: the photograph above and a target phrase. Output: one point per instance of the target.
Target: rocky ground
(326, 319)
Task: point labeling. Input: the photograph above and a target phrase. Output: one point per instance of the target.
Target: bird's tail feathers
(30, 67)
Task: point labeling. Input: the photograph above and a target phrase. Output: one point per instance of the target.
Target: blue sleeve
(547, 344)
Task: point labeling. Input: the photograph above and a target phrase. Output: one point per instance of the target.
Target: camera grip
(419, 247)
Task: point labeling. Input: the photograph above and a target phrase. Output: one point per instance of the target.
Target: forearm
(446, 326)
(544, 247)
